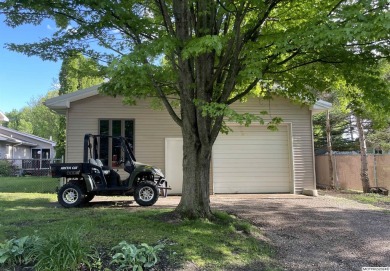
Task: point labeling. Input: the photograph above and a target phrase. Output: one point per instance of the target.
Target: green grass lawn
(226, 243)
(374, 199)
(368, 198)
(28, 184)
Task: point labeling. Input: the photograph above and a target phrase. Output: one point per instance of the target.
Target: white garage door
(252, 160)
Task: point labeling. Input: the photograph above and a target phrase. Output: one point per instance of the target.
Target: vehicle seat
(100, 164)
(111, 175)
(93, 162)
(96, 175)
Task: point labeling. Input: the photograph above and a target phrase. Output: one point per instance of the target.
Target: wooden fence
(347, 171)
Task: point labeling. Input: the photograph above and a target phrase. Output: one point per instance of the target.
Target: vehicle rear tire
(88, 197)
(146, 194)
(70, 195)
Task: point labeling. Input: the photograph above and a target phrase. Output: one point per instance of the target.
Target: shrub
(129, 255)
(62, 251)
(6, 168)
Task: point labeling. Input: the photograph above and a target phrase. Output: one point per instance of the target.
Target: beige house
(248, 160)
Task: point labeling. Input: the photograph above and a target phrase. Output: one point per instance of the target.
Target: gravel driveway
(323, 233)
(312, 233)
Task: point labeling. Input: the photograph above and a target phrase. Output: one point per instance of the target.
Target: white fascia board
(61, 103)
(320, 106)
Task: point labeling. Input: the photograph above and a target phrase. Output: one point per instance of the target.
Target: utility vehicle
(83, 181)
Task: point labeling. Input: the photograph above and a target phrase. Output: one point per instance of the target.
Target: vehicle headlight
(158, 172)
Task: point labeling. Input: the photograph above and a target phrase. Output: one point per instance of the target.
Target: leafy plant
(62, 251)
(18, 251)
(6, 168)
(129, 255)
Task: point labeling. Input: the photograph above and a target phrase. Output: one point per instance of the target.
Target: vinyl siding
(153, 126)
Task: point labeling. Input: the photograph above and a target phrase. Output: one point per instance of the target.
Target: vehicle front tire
(70, 195)
(146, 194)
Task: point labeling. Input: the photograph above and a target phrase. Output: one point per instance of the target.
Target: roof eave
(34, 137)
(320, 106)
(61, 103)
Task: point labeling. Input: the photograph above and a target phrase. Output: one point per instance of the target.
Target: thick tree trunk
(363, 156)
(195, 200)
(196, 83)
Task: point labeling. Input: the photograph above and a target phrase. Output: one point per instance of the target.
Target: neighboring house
(248, 160)
(25, 150)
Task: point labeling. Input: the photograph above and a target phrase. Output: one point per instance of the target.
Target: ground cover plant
(225, 242)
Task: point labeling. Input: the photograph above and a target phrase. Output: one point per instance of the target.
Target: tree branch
(244, 93)
(252, 33)
(304, 64)
(289, 58)
(167, 21)
(335, 7)
(165, 101)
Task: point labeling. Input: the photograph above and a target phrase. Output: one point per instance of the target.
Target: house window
(41, 158)
(36, 153)
(110, 150)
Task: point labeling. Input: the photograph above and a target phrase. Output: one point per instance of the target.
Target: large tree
(209, 54)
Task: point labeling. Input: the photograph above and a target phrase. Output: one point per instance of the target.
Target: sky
(21, 77)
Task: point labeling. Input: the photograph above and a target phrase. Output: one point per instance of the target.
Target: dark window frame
(110, 133)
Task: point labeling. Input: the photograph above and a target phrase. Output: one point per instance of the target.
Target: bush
(6, 168)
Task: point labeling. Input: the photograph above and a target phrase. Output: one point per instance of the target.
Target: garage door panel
(254, 137)
(241, 149)
(240, 154)
(243, 169)
(252, 160)
(251, 190)
(254, 177)
(237, 132)
(273, 161)
(265, 183)
(268, 146)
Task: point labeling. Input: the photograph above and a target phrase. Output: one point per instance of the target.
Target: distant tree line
(77, 72)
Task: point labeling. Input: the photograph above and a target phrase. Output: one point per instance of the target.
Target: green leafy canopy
(298, 46)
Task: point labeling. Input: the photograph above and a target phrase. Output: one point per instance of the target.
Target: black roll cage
(92, 148)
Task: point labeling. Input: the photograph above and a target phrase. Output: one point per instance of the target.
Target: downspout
(312, 151)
